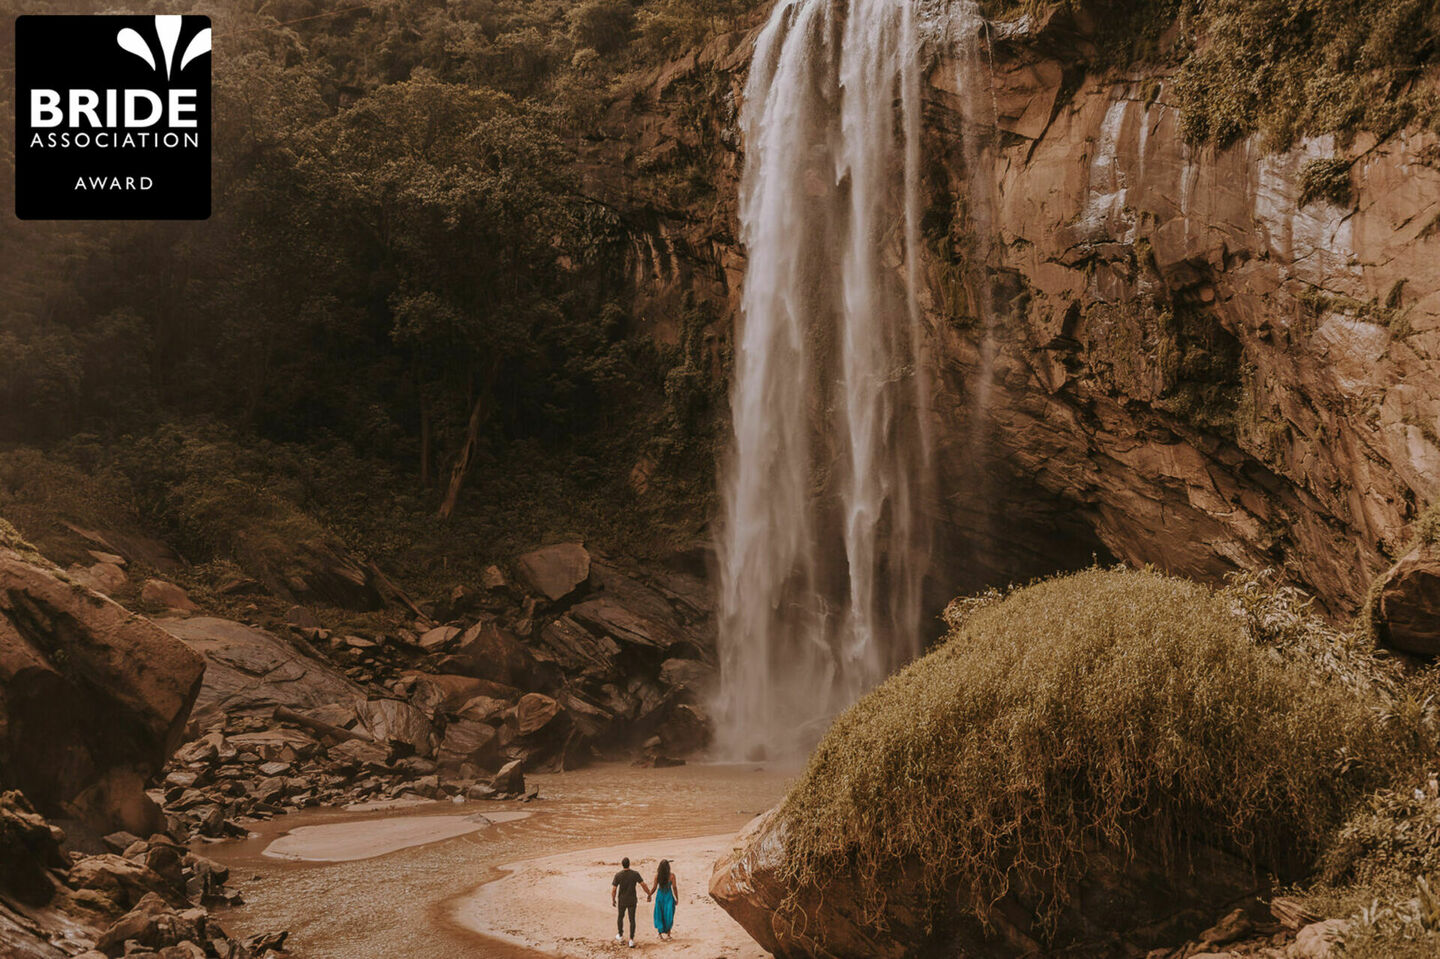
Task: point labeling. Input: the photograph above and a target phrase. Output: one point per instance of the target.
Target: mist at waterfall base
(824, 541)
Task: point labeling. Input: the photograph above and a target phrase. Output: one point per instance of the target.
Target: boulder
(153, 923)
(93, 699)
(488, 652)
(396, 722)
(438, 637)
(555, 571)
(449, 692)
(534, 712)
(607, 617)
(483, 709)
(28, 850)
(688, 675)
(103, 577)
(468, 742)
(1406, 607)
(157, 592)
(122, 881)
(250, 670)
(510, 778)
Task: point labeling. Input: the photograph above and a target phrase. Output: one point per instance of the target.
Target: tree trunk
(424, 441)
(462, 462)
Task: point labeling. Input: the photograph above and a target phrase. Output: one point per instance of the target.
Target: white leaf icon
(168, 29)
(199, 46)
(131, 42)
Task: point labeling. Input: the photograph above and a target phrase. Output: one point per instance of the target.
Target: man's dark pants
(620, 919)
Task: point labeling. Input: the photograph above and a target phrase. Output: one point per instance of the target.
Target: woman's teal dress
(665, 909)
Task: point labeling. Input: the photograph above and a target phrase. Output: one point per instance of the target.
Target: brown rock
(393, 721)
(488, 652)
(153, 923)
(483, 709)
(160, 593)
(250, 670)
(107, 578)
(28, 850)
(1406, 609)
(438, 638)
(468, 742)
(510, 779)
(92, 699)
(121, 881)
(534, 712)
(555, 571)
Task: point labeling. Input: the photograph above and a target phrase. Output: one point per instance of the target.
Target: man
(624, 898)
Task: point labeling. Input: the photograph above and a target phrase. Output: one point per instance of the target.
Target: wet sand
(429, 899)
(543, 904)
(368, 838)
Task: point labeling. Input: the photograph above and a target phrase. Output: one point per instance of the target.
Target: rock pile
(248, 769)
(147, 898)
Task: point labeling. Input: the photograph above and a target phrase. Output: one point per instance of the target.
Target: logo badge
(112, 117)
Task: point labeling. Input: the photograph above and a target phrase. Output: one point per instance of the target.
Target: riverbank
(432, 897)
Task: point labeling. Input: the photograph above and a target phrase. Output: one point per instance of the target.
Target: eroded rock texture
(1209, 371)
(93, 699)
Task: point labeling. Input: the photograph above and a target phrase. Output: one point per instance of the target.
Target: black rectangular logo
(112, 117)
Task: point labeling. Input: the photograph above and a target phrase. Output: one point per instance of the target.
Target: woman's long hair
(662, 875)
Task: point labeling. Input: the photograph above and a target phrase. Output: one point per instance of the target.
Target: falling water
(824, 546)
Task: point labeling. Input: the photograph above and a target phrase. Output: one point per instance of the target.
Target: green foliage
(1105, 710)
(1281, 68)
(1325, 179)
(1288, 69)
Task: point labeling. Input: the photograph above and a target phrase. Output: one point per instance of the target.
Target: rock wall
(1145, 349)
(1208, 370)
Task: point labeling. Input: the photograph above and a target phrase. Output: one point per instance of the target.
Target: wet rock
(1406, 608)
(510, 779)
(554, 571)
(92, 699)
(158, 592)
(251, 670)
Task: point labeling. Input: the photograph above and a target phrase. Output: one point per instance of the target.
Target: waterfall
(824, 542)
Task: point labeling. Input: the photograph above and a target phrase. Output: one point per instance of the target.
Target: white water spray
(825, 544)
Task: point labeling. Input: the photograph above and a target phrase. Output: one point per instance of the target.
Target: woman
(665, 893)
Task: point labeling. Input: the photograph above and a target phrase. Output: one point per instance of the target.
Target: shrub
(1325, 179)
(1109, 710)
(602, 25)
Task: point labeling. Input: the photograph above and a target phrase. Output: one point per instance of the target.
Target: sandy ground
(350, 841)
(560, 905)
(431, 895)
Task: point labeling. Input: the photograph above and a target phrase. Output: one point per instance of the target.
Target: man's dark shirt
(627, 880)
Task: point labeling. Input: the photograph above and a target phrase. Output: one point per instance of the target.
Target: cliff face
(1210, 368)
(1164, 352)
